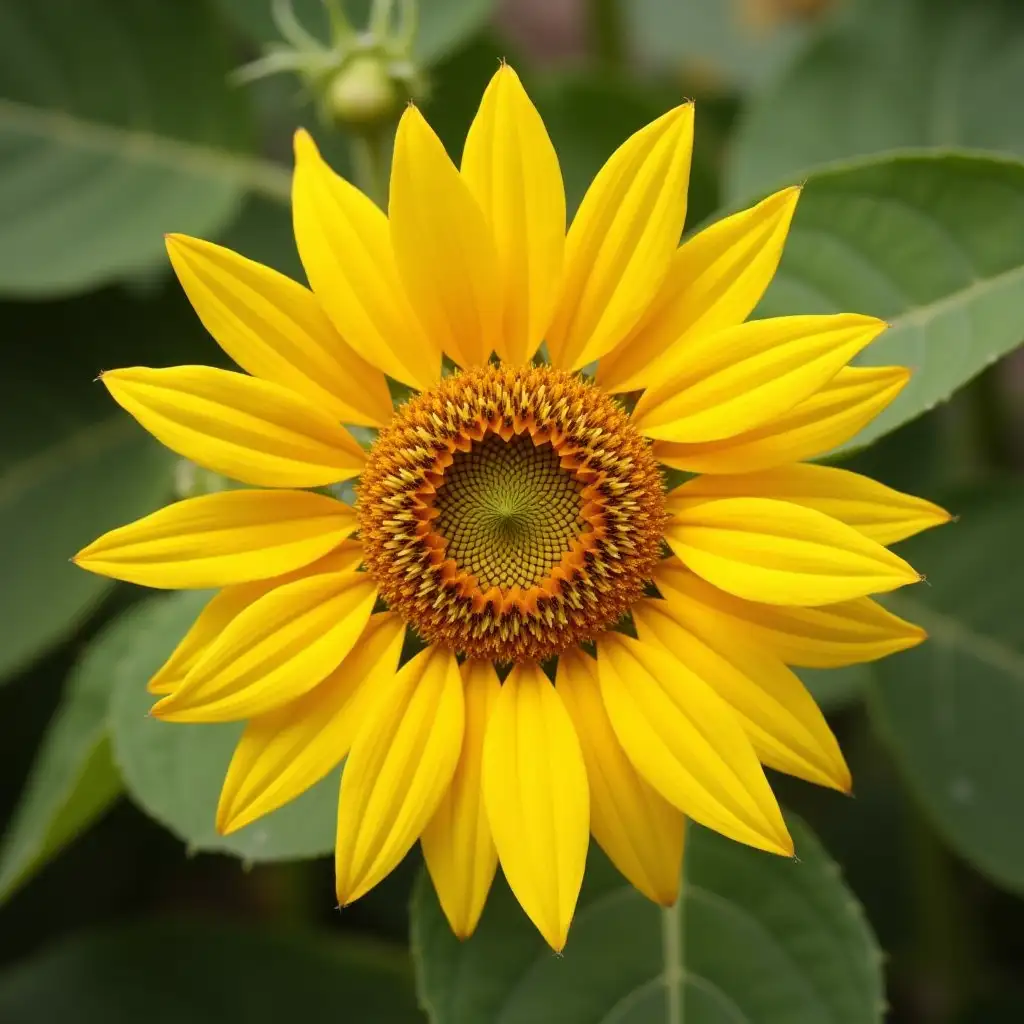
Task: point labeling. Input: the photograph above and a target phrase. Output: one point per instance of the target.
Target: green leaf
(754, 938)
(73, 780)
(888, 76)
(72, 464)
(952, 710)
(116, 125)
(442, 24)
(932, 243)
(203, 973)
(174, 772)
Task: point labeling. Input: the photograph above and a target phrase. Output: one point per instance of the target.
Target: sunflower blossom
(516, 638)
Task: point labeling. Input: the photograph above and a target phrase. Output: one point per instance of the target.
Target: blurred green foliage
(119, 121)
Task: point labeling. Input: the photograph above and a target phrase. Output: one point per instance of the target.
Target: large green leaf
(888, 76)
(932, 243)
(174, 772)
(754, 939)
(72, 464)
(442, 24)
(952, 710)
(116, 125)
(173, 973)
(73, 780)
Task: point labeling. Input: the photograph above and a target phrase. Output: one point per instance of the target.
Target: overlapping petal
(829, 418)
(537, 798)
(785, 725)
(724, 384)
(249, 429)
(457, 843)
(276, 329)
(715, 280)
(512, 171)
(275, 650)
(688, 743)
(443, 246)
(284, 752)
(229, 603)
(622, 239)
(345, 246)
(639, 830)
(779, 553)
(400, 766)
(879, 512)
(219, 539)
(846, 633)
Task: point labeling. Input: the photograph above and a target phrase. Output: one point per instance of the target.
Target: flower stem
(672, 951)
(369, 164)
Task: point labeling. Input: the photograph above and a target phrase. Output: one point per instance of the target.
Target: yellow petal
(846, 633)
(443, 246)
(537, 798)
(219, 539)
(248, 429)
(622, 240)
(779, 553)
(736, 380)
(877, 511)
(345, 247)
(275, 329)
(231, 601)
(688, 743)
(854, 397)
(284, 752)
(401, 764)
(785, 726)
(512, 170)
(457, 843)
(275, 650)
(639, 830)
(716, 279)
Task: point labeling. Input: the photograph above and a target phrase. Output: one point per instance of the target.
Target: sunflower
(517, 635)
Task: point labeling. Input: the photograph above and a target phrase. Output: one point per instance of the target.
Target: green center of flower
(508, 511)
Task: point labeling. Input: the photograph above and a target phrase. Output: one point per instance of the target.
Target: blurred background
(122, 119)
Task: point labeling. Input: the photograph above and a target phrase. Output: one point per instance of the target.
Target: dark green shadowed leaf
(934, 244)
(116, 125)
(174, 772)
(73, 780)
(755, 939)
(952, 710)
(200, 973)
(888, 76)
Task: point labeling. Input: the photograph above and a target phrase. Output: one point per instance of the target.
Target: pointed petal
(846, 633)
(230, 602)
(716, 279)
(877, 511)
(218, 539)
(785, 726)
(639, 830)
(457, 843)
(854, 397)
(345, 247)
(400, 766)
(724, 384)
(688, 743)
(537, 798)
(512, 170)
(622, 240)
(779, 553)
(284, 752)
(275, 650)
(276, 330)
(443, 246)
(247, 429)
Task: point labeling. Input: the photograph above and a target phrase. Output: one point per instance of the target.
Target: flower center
(511, 513)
